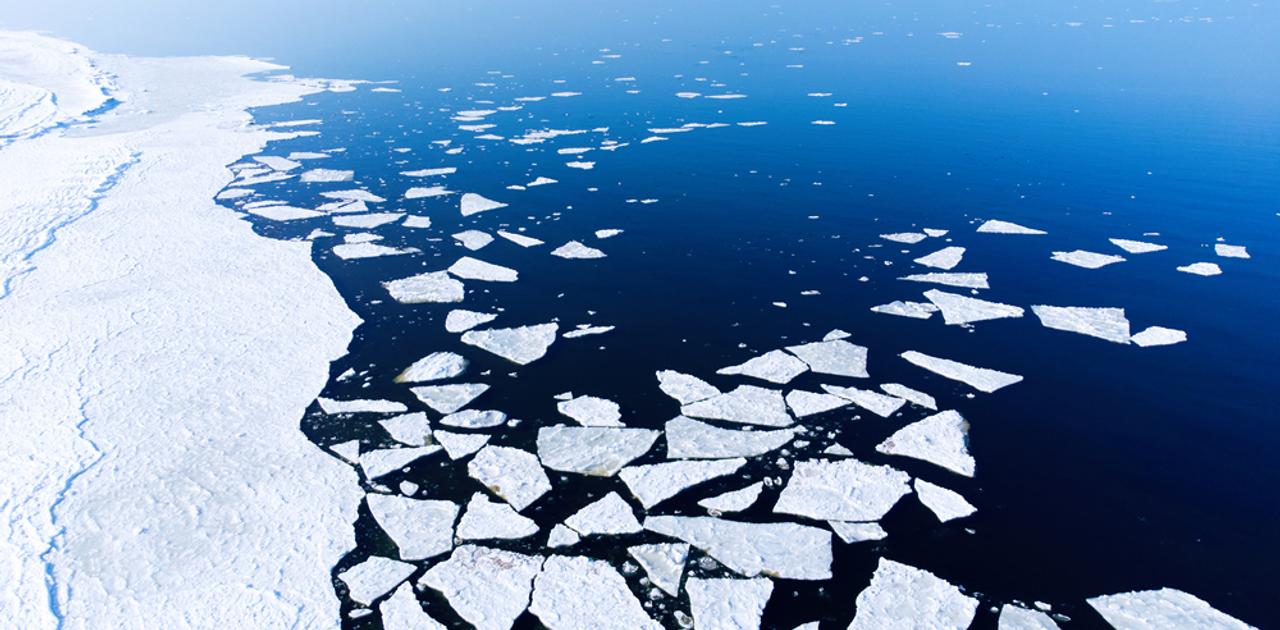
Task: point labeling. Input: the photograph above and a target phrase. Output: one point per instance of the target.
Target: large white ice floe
(804, 403)
(610, 515)
(663, 563)
(915, 397)
(474, 419)
(562, 536)
(461, 320)
(914, 310)
(1103, 323)
(880, 404)
(1086, 259)
(945, 259)
(1158, 336)
(510, 473)
(1137, 247)
(374, 578)
(447, 399)
(654, 483)
(853, 532)
(591, 411)
(734, 500)
(385, 461)
(728, 604)
(940, 439)
(469, 268)
(995, 226)
(946, 504)
(1018, 618)
(691, 439)
(746, 404)
(433, 286)
(357, 251)
(326, 175)
(487, 587)
(902, 596)
(596, 451)
(1162, 608)
(360, 405)
(421, 529)
(951, 279)
(842, 490)
(906, 238)
(982, 379)
(283, 212)
(484, 519)
(785, 550)
(520, 239)
(521, 345)
(472, 203)
(402, 611)
(775, 366)
(837, 356)
(413, 429)
(574, 249)
(577, 593)
(459, 445)
(473, 239)
(366, 221)
(685, 389)
(426, 192)
(1201, 269)
(433, 367)
(960, 309)
(1230, 251)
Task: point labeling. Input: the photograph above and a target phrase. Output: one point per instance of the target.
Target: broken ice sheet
(918, 398)
(775, 366)
(875, 402)
(1004, 227)
(851, 532)
(433, 367)
(577, 593)
(519, 239)
(360, 405)
(1161, 608)
(357, 251)
(322, 175)
(510, 473)
(388, 460)
(485, 519)
(461, 320)
(522, 345)
(663, 563)
(374, 578)
(747, 404)
(914, 310)
(426, 192)
(474, 419)
(804, 403)
(1158, 336)
(447, 399)
(459, 445)
(591, 411)
(1088, 260)
(908, 238)
(837, 356)
(902, 596)
(940, 439)
(402, 611)
(960, 309)
(842, 490)
(684, 388)
(734, 500)
(574, 249)
(946, 504)
(982, 379)
(412, 429)
(946, 258)
(596, 451)
(434, 286)
(472, 203)
(690, 439)
(654, 483)
(785, 550)
(728, 604)
(1103, 323)
(951, 279)
(610, 515)
(473, 239)
(366, 221)
(421, 529)
(469, 268)
(488, 588)
(562, 536)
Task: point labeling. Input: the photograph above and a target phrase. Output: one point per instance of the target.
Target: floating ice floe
(1230, 251)
(469, 268)
(842, 490)
(574, 249)
(960, 309)
(775, 366)
(412, 429)
(596, 451)
(655, 483)
(608, 516)
(319, 175)
(609, 233)
(946, 504)
(283, 212)
(1137, 247)
(728, 604)
(485, 519)
(1162, 608)
(982, 379)
(402, 611)
(785, 550)
(433, 367)
(447, 399)
(875, 402)
(366, 221)
(431, 172)
(902, 596)
(995, 226)
(1201, 269)
(734, 500)
(584, 330)
(426, 192)
(914, 310)
(277, 163)
(374, 578)
(473, 239)
(461, 320)
(837, 356)
(488, 588)
(577, 593)
(433, 286)
(1018, 618)
(1158, 336)
(685, 389)
(690, 439)
(519, 239)
(388, 460)
(349, 450)
(590, 411)
(421, 529)
(474, 419)
(915, 397)
(951, 279)
(472, 203)
(909, 238)
(510, 473)
(581, 165)
(746, 404)
(663, 563)
(946, 258)
(1088, 260)
(1103, 323)
(851, 532)
(562, 536)
(940, 439)
(354, 194)
(459, 445)
(360, 405)
(541, 181)
(522, 345)
(804, 403)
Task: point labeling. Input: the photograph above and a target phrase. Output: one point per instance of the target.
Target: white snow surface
(432, 286)
(1016, 618)
(961, 309)
(374, 578)
(609, 515)
(996, 226)
(402, 611)
(734, 500)
(902, 597)
(489, 519)
(591, 411)
(945, 259)
(1086, 259)
(1158, 336)
(433, 367)
(1137, 247)
(684, 388)
(875, 402)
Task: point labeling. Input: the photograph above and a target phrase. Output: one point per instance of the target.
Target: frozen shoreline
(152, 374)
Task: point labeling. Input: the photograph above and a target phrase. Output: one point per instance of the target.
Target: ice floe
(402, 611)
(360, 405)
(562, 536)
(323, 175)
(577, 593)
(880, 404)
(690, 439)
(663, 563)
(746, 404)
(522, 345)
(785, 550)
(374, 578)
(584, 330)
(1088, 260)
(385, 461)
(472, 203)
(940, 439)
(1161, 608)
(469, 268)
(804, 403)
(433, 286)
(1103, 323)
(519, 239)
(426, 192)
(431, 172)
(775, 366)
(1018, 618)
(474, 419)
(416, 221)
(982, 379)
(421, 529)
(597, 451)
(488, 588)
(283, 212)
(946, 504)
(1158, 336)
(951, 279)
(960, 309)
(459, 445)
(914, 310)
(1201, 269)
(1230, 251)
(684, 388)
(485, 519)
(728, 604)
(1137, 247)
(461, 320)
(591, 411)
(837, 356)
(433, 367)
(610, 515)
(473, 239)
(851, 532)
(412, 429)
(654, 483)
(908, 238)
(842, 490)
(366, 221)
(510, 473)
(946, 258)
(734, 500)
(995, 226)
(447, 399)
(574, 249)
(902, 596)
(915, 397)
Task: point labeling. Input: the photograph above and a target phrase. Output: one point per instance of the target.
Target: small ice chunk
(469, 268)
(734, 500)
(412, 429)
(388, 460)
(842, 490)
(786, 550)
(322, 175)
(981, 379)
(655, 483)
(283, 213)
(459, 445)
(1158, 336)
(851, 532)
(522, 345)
(485, 519)
(562, 536)
(961, 309)
(510, 473)
(367, 221)
(426, 192)
(574, 249)
(1162, 608)
(360, 405)
(914, 310)
(578, 593)
(690, 439)
(1201, 269)
(875, 402)
(374, 578)
(775, 366)
(581, 165)
(415, 221)
(917, 398)
(747, 404)
(804, 403)
(908, 238)
(951, 279)
(541, 181)
(608, 516)
(354, 194)
(946, 504)
(684, 388)
(838, 357)
(940, 439)
(357, 251)
(902, 596)
(583, 331)
(1086, 259)
(519, 239)
(1137, 247)
(433, 367)
(995, 226)
(596, 451)
(474, 419)
(433, 286)
(946, 258)
(1018, 618)
(421, 529)
(837, 450)
(488, 588)
(461, 320)
(473, 239)
(609, 233)
(1103, 323)
(590, 411)
(402, 611)
(728, 604)
(473, 204)
(447, 399)
(1230, 251)
(663, 563)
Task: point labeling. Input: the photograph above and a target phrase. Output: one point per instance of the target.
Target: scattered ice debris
(474, 419)
(474, 204)
(690, 439)
(918, 398)
(459, 445)
(584, 330)
(804, 403)
(366, 221)
(914, 310)
(940, 439)
(421, 529)
(1162, 608)
(663, 563)
(426, 192)
(431, 172)
(433, 367)
(774, 366)
(1018, 618)
(597, 451)
(522, 345)
(510, 473)
(485, 519)
(746, 404)
(875, 402)
(433, 286)
(609, 233)
(1158, 336)
(578, 593)
(473, 239)
(961, 309)
(574, 249)
(734, 500)
(1103, 323)
(952, 279)
(402, 611)
(836, 356)
(1137, 247)
(360, 405)
(1201, 269)
(590, 411)
(469, 268)
(654, 483)
(447, 399)
(1088, 260)
(946, 504)
(842, 490)
(461, 320)
(388, 460)
(562, 536)
(374, 578)
(1004, 227)
(321, 175)
(519, 239)
(728, 604)
(851, 532)
(902, 596)
(908, 238)
(1230, 251)
(609, 515)
(488, 588)
(786, 550)
(946, 258)
(685, 389)
(981, 379)
(412, 429)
